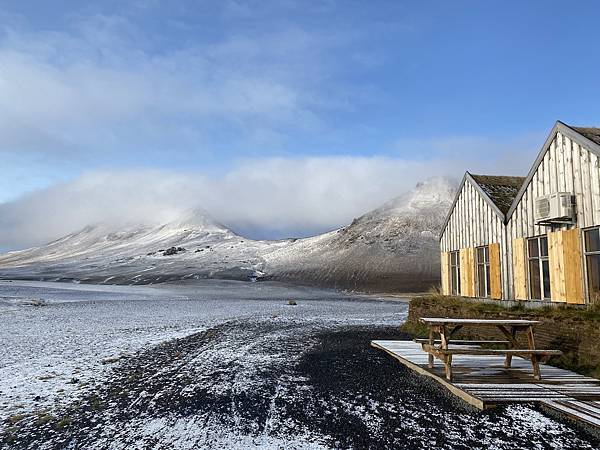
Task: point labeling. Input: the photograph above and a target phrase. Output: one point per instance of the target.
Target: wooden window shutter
(467, 272)
(573, 266)
(445, 273)
(520, 269)
(557, 265)
(495, 272)
(566, 268)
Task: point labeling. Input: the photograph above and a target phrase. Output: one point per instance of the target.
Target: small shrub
(43, 419)
(94, 402)
(16, 418)
(64, 422)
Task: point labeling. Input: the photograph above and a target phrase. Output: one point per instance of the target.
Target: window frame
(455, 272)
(485, 264)
(545, 296)
(587, 253)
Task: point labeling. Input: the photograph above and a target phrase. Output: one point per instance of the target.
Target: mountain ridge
(393, 247)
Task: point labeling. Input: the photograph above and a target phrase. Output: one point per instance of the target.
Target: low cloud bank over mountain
(272, 198)
(394, 247)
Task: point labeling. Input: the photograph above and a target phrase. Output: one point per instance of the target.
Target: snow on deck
(483, 381)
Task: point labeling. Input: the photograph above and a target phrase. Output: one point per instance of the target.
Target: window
(455, 273)
(592, 263)
(539, 268)
(483, 271)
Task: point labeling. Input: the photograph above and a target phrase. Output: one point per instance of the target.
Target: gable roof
(503, 193)
(592, 133)
(588, 137)
(493, 185)
(502, 190)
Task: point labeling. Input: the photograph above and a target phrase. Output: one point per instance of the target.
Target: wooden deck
(483, 382)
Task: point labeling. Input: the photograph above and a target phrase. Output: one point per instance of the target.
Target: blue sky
(239, 98)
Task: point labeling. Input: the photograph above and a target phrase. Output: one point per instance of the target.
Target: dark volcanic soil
(277, 383)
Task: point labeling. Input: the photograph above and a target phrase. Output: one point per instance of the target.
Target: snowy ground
(216, 364)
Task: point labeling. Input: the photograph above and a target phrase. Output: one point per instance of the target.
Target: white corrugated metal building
(530, 238)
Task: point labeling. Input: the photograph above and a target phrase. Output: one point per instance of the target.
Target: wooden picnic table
(508, 327)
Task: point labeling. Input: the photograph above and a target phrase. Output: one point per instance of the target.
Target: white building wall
(473, 223)
(567, 166)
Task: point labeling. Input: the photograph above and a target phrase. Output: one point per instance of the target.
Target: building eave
(565, 130)
(482, 193)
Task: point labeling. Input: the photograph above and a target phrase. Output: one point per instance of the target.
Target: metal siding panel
(595, 184)
(568, 162)
(586, 183)
(530, 226)
(469, 221)
(547, 189)
(577, 183)
(560, 163)
(462, 220)
(535, 183)
(479, 222)
(553, 173)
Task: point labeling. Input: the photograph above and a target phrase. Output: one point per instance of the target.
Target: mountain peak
(197, 219)
(434, 192)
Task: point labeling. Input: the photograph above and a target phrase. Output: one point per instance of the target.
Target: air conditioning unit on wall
(555, 208)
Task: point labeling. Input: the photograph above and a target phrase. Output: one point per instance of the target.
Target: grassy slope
(575, 331)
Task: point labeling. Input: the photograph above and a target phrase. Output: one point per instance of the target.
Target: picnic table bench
(445, 328)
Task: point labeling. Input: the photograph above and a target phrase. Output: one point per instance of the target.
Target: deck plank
(482, 381)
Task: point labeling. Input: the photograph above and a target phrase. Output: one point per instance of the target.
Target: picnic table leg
(534, 358)
(431, 341)
(508, 360)
(444, 337)
(448, 363)
(447, 358)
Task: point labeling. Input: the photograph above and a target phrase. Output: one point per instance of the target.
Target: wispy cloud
(97, 87)
(139, 115)
(276, 196)
(280, 195)
(503, 155)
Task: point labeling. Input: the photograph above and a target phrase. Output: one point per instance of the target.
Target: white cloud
(283, 196)
(512, 155)
(97, 87)
(273, 194)
(102, 93)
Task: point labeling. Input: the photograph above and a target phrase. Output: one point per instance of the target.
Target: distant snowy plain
(228, 364)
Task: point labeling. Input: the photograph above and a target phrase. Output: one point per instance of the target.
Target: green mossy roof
(593, 134)
(501, 189)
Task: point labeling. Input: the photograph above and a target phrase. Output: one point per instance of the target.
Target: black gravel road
(340, 393)
(279, 380)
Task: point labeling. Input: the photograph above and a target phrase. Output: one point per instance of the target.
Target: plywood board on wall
(445, 273)
(467, 272)
(568, 251)
(573, 266)
(520, 269)
(557, 266)
(495, 272)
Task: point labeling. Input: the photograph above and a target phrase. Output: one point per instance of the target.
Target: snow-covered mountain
(393, 247)
(194, 246)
